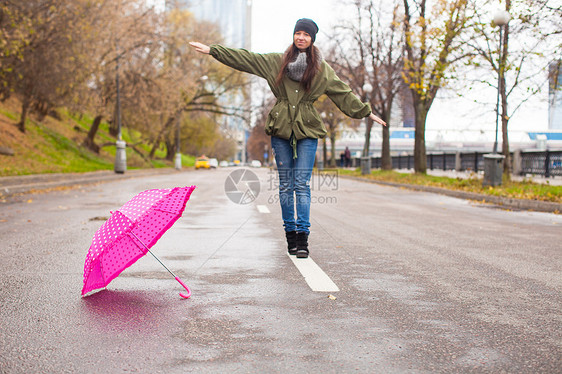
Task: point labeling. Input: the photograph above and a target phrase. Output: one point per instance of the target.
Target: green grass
(54, 146)
(511, 189)
(67, 155)
(188, 160)
(11, 115)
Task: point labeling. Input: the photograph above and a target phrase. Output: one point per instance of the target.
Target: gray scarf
(295, 69)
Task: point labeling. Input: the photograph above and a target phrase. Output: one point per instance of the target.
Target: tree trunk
(505, 139)
(156, 142)
(89, 141)
(170, 148)
(333, 146)
(169, 122)
(386, 160)
(503, 94)
(420, 157)
(24, 110)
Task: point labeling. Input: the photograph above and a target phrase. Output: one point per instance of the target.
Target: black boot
(291, 242)
(302, 245)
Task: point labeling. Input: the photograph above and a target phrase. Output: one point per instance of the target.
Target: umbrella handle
(165, 267)
(184, 286)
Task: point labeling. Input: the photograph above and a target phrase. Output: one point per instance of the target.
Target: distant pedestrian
(297, 78)
(342, 159)
(347, 157)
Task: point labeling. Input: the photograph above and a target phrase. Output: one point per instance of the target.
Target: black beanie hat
(307, 25)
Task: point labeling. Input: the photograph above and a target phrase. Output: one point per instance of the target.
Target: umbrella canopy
(129, 233)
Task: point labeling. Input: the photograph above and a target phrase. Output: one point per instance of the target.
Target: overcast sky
(273, 21)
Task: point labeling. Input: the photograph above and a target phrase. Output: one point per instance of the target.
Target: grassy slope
(53, 146)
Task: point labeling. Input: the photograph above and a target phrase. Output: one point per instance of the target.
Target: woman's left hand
(377, 119)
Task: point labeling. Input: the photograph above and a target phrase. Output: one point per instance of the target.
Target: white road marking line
(317, 280)
(263, 209)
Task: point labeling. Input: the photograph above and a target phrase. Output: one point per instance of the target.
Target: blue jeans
(294, 181)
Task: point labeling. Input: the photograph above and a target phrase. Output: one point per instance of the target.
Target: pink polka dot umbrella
(129, 234)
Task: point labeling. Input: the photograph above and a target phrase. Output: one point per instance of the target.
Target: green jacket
(294, 114)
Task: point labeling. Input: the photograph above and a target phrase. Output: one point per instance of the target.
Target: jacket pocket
(277, 119)
(312, 122)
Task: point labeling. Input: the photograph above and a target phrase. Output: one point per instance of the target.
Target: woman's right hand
(200, 47)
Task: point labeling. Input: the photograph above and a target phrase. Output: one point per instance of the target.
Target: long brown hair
(313, 64)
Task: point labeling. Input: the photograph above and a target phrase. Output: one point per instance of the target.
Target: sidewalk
(503, 202)
(553, 181)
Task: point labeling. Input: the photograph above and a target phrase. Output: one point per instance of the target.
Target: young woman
(297, 78)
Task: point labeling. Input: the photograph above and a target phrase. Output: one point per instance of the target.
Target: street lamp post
(493, 163)
(501, 19)
(120, 145)
(366, 159)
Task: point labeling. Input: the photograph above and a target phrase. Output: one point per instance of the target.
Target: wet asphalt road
(428, 284)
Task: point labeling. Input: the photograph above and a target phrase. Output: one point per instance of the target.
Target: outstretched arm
(377, 119)
(200, 47)
(262, 65)
(340, 93)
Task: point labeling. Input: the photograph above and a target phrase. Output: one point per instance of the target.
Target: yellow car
(202, 162)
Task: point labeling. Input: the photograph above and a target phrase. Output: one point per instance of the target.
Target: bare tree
(127, 48)
(191, 83)
(160, 78)
(65, 53)
(46, 65)
(432, 44)
(16, 27)
(519, 61)
(375, 57)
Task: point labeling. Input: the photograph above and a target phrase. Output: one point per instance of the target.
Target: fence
(546, 163)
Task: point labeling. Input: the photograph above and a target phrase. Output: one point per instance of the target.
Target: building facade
(234, 17)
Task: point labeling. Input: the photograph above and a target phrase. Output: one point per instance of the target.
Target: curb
(19, 185)
(504, 202)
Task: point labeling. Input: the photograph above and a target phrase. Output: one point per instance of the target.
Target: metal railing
(546, 163)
